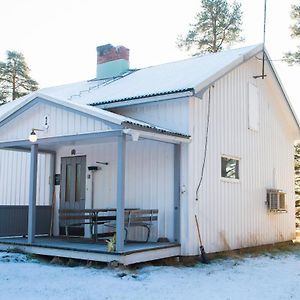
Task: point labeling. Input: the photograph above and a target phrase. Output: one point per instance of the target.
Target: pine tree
(294, 57)
(15, 81)
(216, 25)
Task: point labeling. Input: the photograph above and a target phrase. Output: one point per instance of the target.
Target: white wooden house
(203, 136)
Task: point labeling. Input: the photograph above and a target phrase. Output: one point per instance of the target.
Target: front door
(72, 189)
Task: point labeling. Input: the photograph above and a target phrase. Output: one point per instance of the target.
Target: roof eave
(283, 90)
(171, 95)
(155, 133)
(204, 85)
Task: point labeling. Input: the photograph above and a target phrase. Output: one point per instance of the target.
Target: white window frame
(228, 179)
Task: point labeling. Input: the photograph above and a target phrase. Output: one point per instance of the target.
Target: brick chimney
(112, 61)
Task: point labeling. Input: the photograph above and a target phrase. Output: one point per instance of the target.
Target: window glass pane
(68, 182)
(230, 168)
(78, 182)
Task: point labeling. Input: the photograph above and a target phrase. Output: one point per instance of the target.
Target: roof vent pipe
(112, 61)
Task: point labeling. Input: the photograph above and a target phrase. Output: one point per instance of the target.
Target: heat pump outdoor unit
(276, 200)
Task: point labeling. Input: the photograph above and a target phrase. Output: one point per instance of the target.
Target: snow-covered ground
(262, 277)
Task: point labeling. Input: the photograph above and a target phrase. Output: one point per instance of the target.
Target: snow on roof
(7, 107)
(183, 75)
(190, 75)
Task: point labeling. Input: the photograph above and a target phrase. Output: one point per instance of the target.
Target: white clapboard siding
(149, 178)
(14, 178)
(253, 107)
(233, 214)
(167, 114)
(62, 121)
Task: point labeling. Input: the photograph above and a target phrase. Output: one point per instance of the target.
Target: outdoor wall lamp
(102, 163)
(33, 136)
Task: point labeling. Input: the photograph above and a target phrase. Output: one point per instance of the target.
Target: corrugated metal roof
(189, 75)
(163, 79)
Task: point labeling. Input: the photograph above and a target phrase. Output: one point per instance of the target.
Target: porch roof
(50, 144)
(121, 124)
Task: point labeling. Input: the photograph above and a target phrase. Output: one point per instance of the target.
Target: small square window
(229, 168)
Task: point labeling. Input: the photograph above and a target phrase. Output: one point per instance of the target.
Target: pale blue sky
(59, 37)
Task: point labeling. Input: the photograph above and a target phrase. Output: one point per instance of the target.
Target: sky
(59, 37)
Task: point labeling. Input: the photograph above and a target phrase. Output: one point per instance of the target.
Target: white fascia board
(157, 136)
(204, 85)
(277, 78)
(16, 108)
(95, 112)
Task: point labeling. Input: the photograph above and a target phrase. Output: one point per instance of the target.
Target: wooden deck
(78, 248)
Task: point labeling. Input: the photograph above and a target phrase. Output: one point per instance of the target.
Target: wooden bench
(79, 217)
(138, 218)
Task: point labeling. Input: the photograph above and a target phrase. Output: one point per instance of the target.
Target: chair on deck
(137, 218)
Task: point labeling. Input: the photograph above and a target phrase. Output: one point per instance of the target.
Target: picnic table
(133, 217)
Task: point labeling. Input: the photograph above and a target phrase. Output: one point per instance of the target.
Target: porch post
(120, 193)
(32, 193)
(177, 153)
(52, 188)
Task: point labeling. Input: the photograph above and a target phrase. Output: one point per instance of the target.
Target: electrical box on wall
(57, 179)
(93, 168)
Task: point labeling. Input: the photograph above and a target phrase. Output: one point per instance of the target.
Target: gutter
(154, 135)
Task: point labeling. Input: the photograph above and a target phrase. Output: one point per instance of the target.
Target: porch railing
(14, 220)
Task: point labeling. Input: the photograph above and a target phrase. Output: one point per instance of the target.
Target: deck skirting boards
(124, 259)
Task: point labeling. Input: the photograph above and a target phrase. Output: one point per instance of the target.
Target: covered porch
(119, 144)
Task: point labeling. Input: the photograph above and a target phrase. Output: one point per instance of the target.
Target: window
(229, 168)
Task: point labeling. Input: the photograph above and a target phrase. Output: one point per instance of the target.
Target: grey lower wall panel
(14, 220)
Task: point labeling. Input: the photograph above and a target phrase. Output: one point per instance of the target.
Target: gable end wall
(62, 121)
(233, 214)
